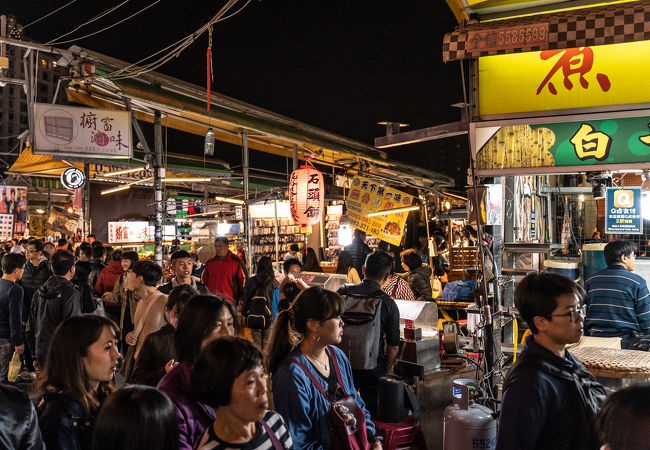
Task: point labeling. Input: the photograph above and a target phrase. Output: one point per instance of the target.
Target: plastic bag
(14, 368)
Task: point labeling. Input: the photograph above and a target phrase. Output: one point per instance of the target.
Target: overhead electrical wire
(88, 22)
(49, 14)
(110, 26)
(174, 50)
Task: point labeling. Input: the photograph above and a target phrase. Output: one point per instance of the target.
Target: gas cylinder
(468, 425)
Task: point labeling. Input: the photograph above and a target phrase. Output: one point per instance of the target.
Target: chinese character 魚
(572, 61)
(589, 143)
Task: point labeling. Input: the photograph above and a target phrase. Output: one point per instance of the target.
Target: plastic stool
(405, 433)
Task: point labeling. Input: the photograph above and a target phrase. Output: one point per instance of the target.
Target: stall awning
(183, 106)
(584, 24)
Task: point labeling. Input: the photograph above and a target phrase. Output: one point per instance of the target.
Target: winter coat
(420, 283)
(108, 277)
(158, 348)
(33, 278)
(18, 421)
(193, 417)
(65, 424)
(225, 277)
(54, 302)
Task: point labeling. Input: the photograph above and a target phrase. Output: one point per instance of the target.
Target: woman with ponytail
(301, 353)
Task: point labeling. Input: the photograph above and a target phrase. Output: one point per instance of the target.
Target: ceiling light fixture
(123, 172)
(115, 189)
(229, 200)
(393, 211)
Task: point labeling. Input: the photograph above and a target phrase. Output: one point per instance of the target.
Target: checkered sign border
(583, 28)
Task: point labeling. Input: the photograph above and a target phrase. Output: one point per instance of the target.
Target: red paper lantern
(306, 195)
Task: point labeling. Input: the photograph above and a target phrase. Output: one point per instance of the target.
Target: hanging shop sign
(623, 214)
(73, 178)
(564, 78)
(71, 130)
(13, 211)
(306, 195)
(367, 196)
(565, 146)
(62, 221)
(126, 232)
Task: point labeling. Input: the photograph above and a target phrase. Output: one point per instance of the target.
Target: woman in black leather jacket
(80, 364)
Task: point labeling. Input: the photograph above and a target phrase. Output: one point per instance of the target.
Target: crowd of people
(127, 357)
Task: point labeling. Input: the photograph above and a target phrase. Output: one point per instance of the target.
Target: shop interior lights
(345, 231)
(393, 211)
(229, 200)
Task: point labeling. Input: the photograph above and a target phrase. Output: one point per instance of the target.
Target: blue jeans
(6, 353)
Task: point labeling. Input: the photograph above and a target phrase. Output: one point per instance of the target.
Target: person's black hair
(37, 243)
(13, 261)
(136, 418)
(623, 417)
(537, 294)
(265, 272)
(291, 262)
(222, 239)
(290, 291)
(358, 233)
(98, 251)
(62, 262)
(378, 265)
(179, 296)
(82, 271)
(62, 242)
(411, 258)
(311, 261)
(178, 254)
(615, 249)
(196, 322)
(344, 262)
(97, 244)
(86, 250)
(91, 235)
(383, 245)
(132, 256)
(219, 365)
(117, 255)
(314, 303)
(23, 242)
(150, 272)
(294, 247)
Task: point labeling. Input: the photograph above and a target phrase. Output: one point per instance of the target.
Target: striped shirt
(398, 288)
(618, 303)
(210, 441)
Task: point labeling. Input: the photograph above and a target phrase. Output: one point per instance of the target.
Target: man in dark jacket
(549, 398)
(37, 272)
(19, 423)
(377, 269)
(54, 302)
(359, 250)
(97, 263)
(182, 263)
(11, 304)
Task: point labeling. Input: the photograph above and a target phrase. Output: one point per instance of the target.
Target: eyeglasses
(573, 314)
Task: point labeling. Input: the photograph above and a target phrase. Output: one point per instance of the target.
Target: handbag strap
(274, 439)
(395, 287)
(316, 382)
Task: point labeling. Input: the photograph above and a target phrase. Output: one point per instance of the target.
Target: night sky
(339, 65)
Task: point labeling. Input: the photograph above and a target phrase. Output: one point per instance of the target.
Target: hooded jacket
(108, 277)
(33, 278)
(54, 302)
(420, 283)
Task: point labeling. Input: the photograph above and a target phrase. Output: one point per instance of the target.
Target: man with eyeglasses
(549, 397)
(617, 299)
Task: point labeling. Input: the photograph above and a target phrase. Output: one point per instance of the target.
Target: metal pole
(423, 199)
(295, 157)
(159, 173)
(247, 225)
(86, 203)
(277, 238)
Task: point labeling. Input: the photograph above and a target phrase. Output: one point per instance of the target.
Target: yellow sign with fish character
(368, 196)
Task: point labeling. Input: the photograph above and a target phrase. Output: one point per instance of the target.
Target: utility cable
(110, 26)
(97, 17)
(49, 14)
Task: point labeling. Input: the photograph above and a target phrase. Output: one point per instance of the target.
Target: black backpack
(258, 315)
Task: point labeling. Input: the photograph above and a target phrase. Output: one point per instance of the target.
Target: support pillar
(247, 221)
(159, 173)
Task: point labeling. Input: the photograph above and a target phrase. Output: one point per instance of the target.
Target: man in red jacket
(106, 282)
(223, 274)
